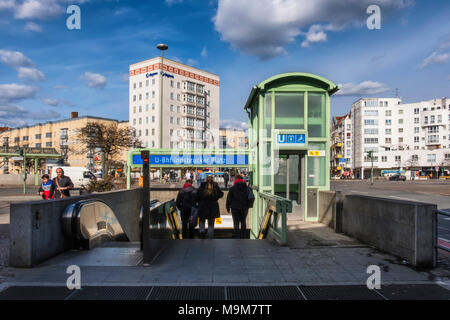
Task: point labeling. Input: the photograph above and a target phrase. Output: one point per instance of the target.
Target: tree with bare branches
(110, 139)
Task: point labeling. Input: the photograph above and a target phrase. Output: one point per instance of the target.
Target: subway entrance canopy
(289, 141)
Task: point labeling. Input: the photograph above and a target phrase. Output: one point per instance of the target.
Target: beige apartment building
(61, 135)
(190, 106)
(232, 139)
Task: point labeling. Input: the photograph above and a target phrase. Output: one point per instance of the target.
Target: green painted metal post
(36, 175)
(128, 173)
(24, 172)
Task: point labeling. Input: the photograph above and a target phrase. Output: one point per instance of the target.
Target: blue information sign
(197, 160)
(293, 139)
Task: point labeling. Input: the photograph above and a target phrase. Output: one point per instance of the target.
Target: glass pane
(268, 114)
(316, 115)
(280, 178)
(290, 110)
(266, 165)
(317, 167)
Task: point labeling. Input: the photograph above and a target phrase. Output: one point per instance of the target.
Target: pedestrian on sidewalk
(46, 185)
(61, 185)
(226, 178)
(239, 200)
(208, 196)
(186, 200)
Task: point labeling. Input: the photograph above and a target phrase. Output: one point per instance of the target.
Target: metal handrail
(437, 246)
(276, 209)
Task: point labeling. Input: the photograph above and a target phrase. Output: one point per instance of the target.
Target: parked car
(397, 177)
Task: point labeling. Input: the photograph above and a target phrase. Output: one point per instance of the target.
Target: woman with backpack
(208, 196)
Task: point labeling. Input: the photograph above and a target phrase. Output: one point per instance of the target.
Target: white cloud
(365, 88)
(204, 53)
(14, 59)
(22, 64)
(51, 102)
(11, 92)
(32, 74)
(264, 27)
(192, 62)
(233, 124)
(67, 102)
(94, 80)
(13, 116)
(7, 4)
(171, 2)
(31, 26)
(435, 57)
(37, 9)
(315, 34)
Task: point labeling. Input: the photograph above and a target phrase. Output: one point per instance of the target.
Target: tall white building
(190, 108)
(414, 136)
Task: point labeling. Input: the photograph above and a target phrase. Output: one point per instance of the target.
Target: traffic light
(370, 154)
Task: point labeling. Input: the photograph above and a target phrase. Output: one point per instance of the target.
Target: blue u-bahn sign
(292, 139)
(194, 160)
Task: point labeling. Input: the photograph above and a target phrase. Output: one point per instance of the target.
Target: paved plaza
(314, 256)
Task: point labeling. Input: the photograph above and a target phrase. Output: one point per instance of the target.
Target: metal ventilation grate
(415, 292)
(35, 293)
(111, 293)
(187, 293)
(339, 293)
(264, 293)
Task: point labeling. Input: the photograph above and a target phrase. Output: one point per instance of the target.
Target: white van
(78, 175)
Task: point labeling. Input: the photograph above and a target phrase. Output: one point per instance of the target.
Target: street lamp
(163, 47)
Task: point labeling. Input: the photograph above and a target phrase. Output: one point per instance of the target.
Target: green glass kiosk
(289, 142)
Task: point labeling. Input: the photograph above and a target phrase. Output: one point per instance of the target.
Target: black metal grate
(34, 293)
(339, 293)
(415, 292)
(111, 293)
(187, 293)
(264, 293)
(390, 292)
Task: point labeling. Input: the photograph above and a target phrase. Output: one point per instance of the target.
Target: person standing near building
(186, 200)
(44, 189)
(61, 185)
(208, 196)
(238, 202)
(226, 178)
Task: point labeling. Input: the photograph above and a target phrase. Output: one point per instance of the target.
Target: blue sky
(47, 71)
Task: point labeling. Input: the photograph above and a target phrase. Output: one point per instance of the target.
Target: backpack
(188, 199)
(251, 197)
(193, 218)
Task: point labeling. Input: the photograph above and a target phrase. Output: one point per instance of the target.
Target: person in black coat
(238, 204)
(186, 200)
(226, 178)
(61, 185)
(208, 196)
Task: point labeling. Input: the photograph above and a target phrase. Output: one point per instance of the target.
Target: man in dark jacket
(60, 185)
(238, 204)
(186, 199)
